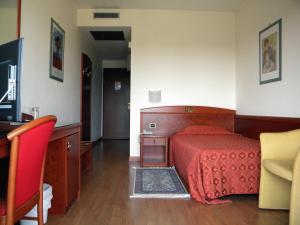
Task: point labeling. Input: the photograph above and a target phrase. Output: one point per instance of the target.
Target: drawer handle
(69, 146)
(154, 141)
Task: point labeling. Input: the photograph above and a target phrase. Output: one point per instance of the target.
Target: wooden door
(116, 100)
(73, 163)
(86, 75)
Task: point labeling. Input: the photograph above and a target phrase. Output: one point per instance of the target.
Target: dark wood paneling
(252, 126)
(187, 109)
(170, 119)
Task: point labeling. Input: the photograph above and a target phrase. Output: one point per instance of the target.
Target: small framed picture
(118, 85)
(270, 53)
(57, 42)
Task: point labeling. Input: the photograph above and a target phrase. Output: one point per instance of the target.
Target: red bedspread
(215, 165)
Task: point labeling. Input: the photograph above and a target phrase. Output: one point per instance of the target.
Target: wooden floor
(105, 200)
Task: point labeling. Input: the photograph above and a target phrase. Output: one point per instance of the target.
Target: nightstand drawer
(154, 150)
(150, 141)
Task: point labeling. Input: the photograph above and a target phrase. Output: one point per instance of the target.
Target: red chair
(26, 170)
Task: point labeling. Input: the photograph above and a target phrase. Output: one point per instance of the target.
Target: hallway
(105, 200)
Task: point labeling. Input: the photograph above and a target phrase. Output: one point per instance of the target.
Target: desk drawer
(154, 141)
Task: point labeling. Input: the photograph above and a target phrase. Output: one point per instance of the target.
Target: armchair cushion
(281, 168)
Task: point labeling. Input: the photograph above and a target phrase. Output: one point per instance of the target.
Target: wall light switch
(152, 125)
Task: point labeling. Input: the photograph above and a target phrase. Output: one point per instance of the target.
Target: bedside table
(154, 150)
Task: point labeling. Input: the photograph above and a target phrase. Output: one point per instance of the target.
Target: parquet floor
(105, 200)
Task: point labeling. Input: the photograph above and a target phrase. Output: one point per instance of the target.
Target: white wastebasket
(47, 196)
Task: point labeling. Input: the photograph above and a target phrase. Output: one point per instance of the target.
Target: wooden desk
(4, 147)
(62, 170)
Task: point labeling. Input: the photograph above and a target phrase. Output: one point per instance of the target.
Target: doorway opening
(114, 47)
(111, 46)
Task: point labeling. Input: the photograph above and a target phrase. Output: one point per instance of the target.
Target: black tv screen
(10, 70)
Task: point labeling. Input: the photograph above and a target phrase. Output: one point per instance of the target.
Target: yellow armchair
(280, 172)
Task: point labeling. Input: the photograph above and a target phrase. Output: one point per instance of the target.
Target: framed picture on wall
(57, 42)
(270, 53)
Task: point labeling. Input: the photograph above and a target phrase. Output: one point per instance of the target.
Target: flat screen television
(10, 72)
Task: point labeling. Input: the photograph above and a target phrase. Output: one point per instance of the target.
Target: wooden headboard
(170, 119)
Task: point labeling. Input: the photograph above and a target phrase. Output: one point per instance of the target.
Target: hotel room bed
(215, 162)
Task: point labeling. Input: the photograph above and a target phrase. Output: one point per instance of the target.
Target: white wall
(51, 96)
(8, 24)
(114, 63)
(96, 99)
(188, 55)
(37, 89)
(278, 98)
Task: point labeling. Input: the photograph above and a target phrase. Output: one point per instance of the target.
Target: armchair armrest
(295, 193)
(296, 169)
(283, 145)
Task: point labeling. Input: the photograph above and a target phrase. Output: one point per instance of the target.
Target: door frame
(81, 96)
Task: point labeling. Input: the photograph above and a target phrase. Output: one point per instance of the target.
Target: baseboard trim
(134, 159)
(96, 141)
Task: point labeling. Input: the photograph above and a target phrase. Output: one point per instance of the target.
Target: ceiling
(206, 5)
(109, 49)
(119, 49)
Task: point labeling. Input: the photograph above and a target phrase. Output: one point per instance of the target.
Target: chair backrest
(280, 145)
(28, 153)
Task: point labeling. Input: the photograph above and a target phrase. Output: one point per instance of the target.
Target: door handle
(69, 146)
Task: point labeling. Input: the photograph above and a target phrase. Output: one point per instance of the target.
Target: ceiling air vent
(108, 35)
(106, 15)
